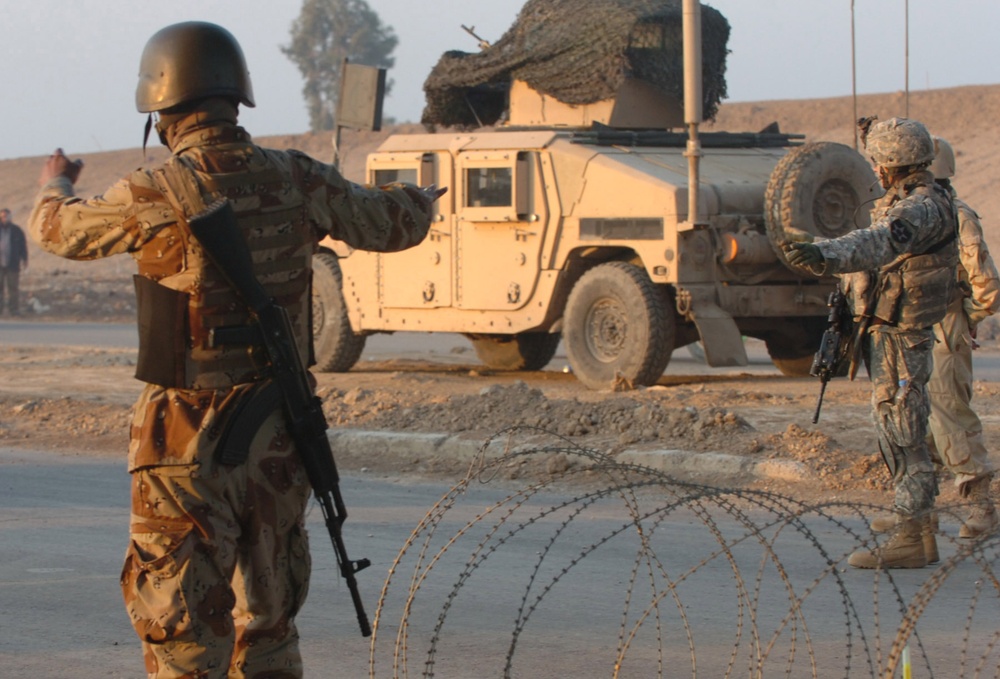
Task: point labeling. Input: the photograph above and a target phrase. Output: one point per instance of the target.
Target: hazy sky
(69, 67)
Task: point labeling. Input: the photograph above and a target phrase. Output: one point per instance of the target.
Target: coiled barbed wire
(765, 592)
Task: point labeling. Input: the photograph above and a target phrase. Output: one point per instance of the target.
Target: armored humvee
(572, 222)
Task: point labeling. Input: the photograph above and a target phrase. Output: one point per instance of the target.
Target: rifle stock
(219, 235)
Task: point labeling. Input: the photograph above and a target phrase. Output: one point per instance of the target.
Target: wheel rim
(833, 208)
(318, 316)
(607, 330)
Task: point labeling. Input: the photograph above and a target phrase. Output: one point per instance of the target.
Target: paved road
(558, 562)
(442, 347)
(438, 347)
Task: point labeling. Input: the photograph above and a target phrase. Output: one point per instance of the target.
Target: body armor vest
(914, 291)
(195, 333)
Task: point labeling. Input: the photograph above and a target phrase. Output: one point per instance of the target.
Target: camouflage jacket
(285, 202)
(901, 268)
(978, 274)
(134, 213)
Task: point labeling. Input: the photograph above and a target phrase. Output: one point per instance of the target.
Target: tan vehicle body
(496, 269)
(529, 212)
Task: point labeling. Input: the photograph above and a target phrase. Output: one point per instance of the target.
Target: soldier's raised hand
(58, 165)
(803, 255)
(433, 192)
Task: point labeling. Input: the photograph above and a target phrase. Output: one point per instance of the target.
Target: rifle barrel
(819, 401)
(347, 567)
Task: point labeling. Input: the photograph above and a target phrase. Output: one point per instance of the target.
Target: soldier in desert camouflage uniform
(899, 273)
(218, 563)
(956, 430)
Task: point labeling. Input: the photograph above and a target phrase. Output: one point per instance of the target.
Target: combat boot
(904, 549)
(983, 517)
(883, 524)
(928, 532)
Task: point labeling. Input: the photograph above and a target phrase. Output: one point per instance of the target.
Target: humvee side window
(391, 176)
(489, 187)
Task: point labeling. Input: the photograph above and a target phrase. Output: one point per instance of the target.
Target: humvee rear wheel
(618, 327)
(793, 351)
(336, 345)
(794, 367)
(526, 351)
(823, 188)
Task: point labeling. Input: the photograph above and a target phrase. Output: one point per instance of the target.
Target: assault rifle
(216, 230)
(835, 346)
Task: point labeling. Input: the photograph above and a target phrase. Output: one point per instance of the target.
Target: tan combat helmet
(899, 142)
(190, 61)
(943, 166)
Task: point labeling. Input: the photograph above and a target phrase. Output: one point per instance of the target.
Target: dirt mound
(638, 418)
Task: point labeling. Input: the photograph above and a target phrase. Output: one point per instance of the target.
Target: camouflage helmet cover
(899, 142)
(189, 61)
(943, 166)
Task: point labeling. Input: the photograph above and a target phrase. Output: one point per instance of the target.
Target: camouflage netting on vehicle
(580, 52)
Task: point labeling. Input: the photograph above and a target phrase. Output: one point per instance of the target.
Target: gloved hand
(433, 192)
(803, 255)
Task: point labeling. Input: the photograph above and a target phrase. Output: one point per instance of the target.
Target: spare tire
(824, 188)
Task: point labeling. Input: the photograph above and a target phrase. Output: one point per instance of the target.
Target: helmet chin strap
(885, 177)
(145, 134)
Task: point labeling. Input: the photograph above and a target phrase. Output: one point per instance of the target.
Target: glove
(803, 255)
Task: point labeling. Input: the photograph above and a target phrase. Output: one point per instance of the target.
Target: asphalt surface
(444, 347)
(464, 585)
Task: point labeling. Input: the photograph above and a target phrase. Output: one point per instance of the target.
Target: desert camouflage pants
(218, 564)
(956, 431)
(900, 365)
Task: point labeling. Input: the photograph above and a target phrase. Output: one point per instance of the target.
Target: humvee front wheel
(525, 351)
(336, 345)
(617, 327)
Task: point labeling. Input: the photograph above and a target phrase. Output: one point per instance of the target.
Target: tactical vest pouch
(244, 423)
(162, 321)
(887, 302)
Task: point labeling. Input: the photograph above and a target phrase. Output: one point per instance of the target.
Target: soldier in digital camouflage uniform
(900, 273)
(956, 430)
(218, 564)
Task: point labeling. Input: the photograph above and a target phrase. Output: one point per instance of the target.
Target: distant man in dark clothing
(13, 259)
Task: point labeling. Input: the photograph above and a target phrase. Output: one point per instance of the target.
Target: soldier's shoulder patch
(900, 231)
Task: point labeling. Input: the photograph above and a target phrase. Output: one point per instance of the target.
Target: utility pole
(854, 80)
(907, 57)
(906, 65)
